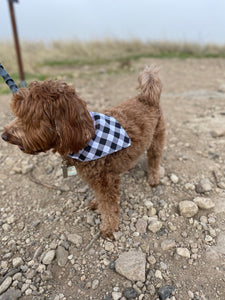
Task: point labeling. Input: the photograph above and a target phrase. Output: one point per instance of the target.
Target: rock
(204, 203)
(27, 168)
(218, 132)
(130, 293)
(141, 226)
(17, 262)
(221, 88)
(109, 246)
(48, 258)
(131, 265)
(188, 208)
(10, 220)
(165, 292)
(11, 294)
(116, 295)
(5, 284)
(75, 239)
(203, 186)
(184, 252)
(174, 178)
(155, 226)
(168, 244)
(158, 274)
(61, 256)
(46, 275)
(95, 284)
(161, 171)
(148, 204)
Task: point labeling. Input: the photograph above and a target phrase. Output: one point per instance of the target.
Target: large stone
(132, 265)
(204, 203)
(188, 208)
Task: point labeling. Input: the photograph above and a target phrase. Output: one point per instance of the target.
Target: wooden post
(16, 41)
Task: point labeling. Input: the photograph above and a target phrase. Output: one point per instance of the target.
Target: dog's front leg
(107, 197)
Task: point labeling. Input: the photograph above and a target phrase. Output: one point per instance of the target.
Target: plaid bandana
(110, 137)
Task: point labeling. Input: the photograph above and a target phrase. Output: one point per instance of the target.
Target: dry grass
(39, 58)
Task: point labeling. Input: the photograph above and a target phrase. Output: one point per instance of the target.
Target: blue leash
(8, 80)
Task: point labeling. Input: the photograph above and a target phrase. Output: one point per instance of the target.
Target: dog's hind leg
(154, 153)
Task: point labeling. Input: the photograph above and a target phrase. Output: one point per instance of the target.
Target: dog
(50, 115)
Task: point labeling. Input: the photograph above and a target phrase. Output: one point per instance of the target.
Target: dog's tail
(150, 85)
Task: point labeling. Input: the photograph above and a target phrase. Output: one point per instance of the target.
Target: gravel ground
(171, 240)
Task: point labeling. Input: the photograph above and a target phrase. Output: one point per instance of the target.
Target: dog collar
(110, 137)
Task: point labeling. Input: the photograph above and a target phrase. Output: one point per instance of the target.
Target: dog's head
(49, 115)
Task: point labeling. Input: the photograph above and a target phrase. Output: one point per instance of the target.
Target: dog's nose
(5, 137)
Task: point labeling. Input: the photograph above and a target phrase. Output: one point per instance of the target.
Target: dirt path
(50, 247)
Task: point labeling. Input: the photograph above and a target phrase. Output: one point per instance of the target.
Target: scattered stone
(158, 274)
(17, 262)
(116, 295)
(165, 292)
(75, 239)
(11, 294)
(208, 238)
(155, 226)
(48, 258)
(5, 284)
(10, 220)
(95, 284)
(161, 171)
(189, 186)
(109, 246)
(46, 275)
(204, 186)
(168, 244)
(27, 168)
(221, 88)
(188, 208)
(151, 259)
(141, 225)
(204, 203)
(218, 132)
(184, 252)
(61, 256)
(174, 178)
(130, 293)
(131, 265)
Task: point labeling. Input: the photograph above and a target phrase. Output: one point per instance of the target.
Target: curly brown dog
(50, 115)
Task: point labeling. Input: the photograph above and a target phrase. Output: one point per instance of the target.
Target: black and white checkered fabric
(110, 137)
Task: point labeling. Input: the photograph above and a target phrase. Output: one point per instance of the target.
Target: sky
(200, 21)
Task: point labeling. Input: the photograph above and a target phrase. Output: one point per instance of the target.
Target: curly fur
(50, 115)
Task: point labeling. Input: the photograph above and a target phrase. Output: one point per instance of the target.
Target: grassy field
(42, 60)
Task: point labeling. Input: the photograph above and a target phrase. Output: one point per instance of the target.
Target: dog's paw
(107, 228)
(154, 179)
(93, 204)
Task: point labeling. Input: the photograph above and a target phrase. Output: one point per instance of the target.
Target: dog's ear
(74, 125)
(18, 102)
